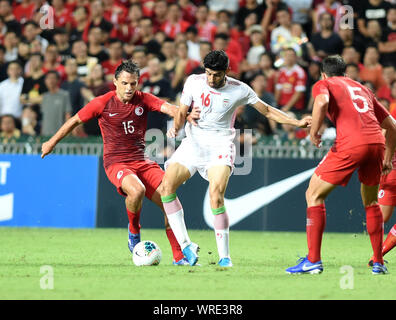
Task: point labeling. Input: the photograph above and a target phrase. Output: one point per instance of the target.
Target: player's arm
(66, 128)
(389, 124)
(280, 116)
(321, 104)
(172, 110)
(179, 120)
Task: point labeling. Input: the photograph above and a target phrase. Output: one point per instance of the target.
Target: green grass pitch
(96, 264)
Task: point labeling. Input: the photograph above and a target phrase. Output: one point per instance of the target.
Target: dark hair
(127, 66)
(354, 65)
(223, 36)
(334, 66)
(56, 73)
(216, 60)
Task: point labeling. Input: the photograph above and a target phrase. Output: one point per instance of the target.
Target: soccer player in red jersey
(387, 202)
(122, 116)
(359, 145)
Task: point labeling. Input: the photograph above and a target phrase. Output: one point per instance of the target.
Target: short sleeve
(250, 96)
(380, 111)
(94, 108)
(68, 107)
(152, 102)
(320, 87)
(187, 96)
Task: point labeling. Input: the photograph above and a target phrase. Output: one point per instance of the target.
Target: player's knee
(313, 198)
(216, 198)
(135, 193)
(166, 188)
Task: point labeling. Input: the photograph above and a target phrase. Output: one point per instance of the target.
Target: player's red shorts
(148, 172)
(337, 167)
(387, 189)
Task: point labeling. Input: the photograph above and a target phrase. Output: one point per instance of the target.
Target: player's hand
(46, 148)
(194, 116)
(172, 133)
(305, 122)
(387, 167)
(316, 139)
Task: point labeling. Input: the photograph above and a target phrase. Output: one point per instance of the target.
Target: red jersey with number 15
(354, 110)
(123, 125)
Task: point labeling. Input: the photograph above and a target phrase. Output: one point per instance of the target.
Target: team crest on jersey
(226, 103)
(139, 111)
(381, 193)
(119, 174)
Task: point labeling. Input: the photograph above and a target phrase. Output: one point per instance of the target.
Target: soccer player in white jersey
(209, 148)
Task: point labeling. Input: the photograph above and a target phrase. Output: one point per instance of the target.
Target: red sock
(176, 250)
(390, 241)
(134, 219)
(375, 229)
(316, 222)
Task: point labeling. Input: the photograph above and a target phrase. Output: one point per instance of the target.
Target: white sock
(176, 222)
(222, 240)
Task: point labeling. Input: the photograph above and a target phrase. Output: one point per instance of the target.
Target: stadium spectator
(62, 14)
(193, 43)
(85, 63)
(352, 71)
(291, 84)
(139, 56)
(23, 11)
(31, 32)
(146, 37)
(266, 65)
(10, 43)
(389, 75)
(8, 130)
(73, 86)
(97, 20)
(206, 28)
(374, 33)
(115, 58)
(313, 75)
(257, 47)
(160, 14)
(221, 42)
(387, 44)
(52, 61)
(55, 106)
(161, 87)
(114, 12)
(80, 23)
(372, 10)
(334, 8)
(174, 23)
(10, 90)
(281, 35)
(23, 53)
(30, 121)
(250, 7)
(184, 66)
(372, 70)
(61, 38)
(327, 42)
(352, 41)
(33, 84)
(9, 19)
(351, 55)
(95, 46)
(392, 102)
(251, 117)
(301, 14)
(218, 5)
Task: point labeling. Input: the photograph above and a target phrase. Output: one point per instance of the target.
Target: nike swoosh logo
(243, 206)
(307, 268)
(112, 114)
(6, 207)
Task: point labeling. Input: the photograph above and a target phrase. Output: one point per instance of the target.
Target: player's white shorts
(203, 156)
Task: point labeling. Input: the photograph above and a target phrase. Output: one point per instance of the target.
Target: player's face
(216, 79)
(126, 85)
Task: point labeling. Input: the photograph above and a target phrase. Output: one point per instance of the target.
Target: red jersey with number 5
(123, 125)
(354, 110)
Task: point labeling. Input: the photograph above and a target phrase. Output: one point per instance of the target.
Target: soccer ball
(146, 253)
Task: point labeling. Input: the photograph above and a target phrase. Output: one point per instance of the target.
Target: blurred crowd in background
(56, 56)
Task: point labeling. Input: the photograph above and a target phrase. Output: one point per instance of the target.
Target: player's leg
(374, 222)
(218, 177)
(369, 174)
(316, 194)
(151, 174)
(175, 175)
(134, 190)
(178, 257)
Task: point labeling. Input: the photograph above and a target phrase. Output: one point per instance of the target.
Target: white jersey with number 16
(217, 106)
